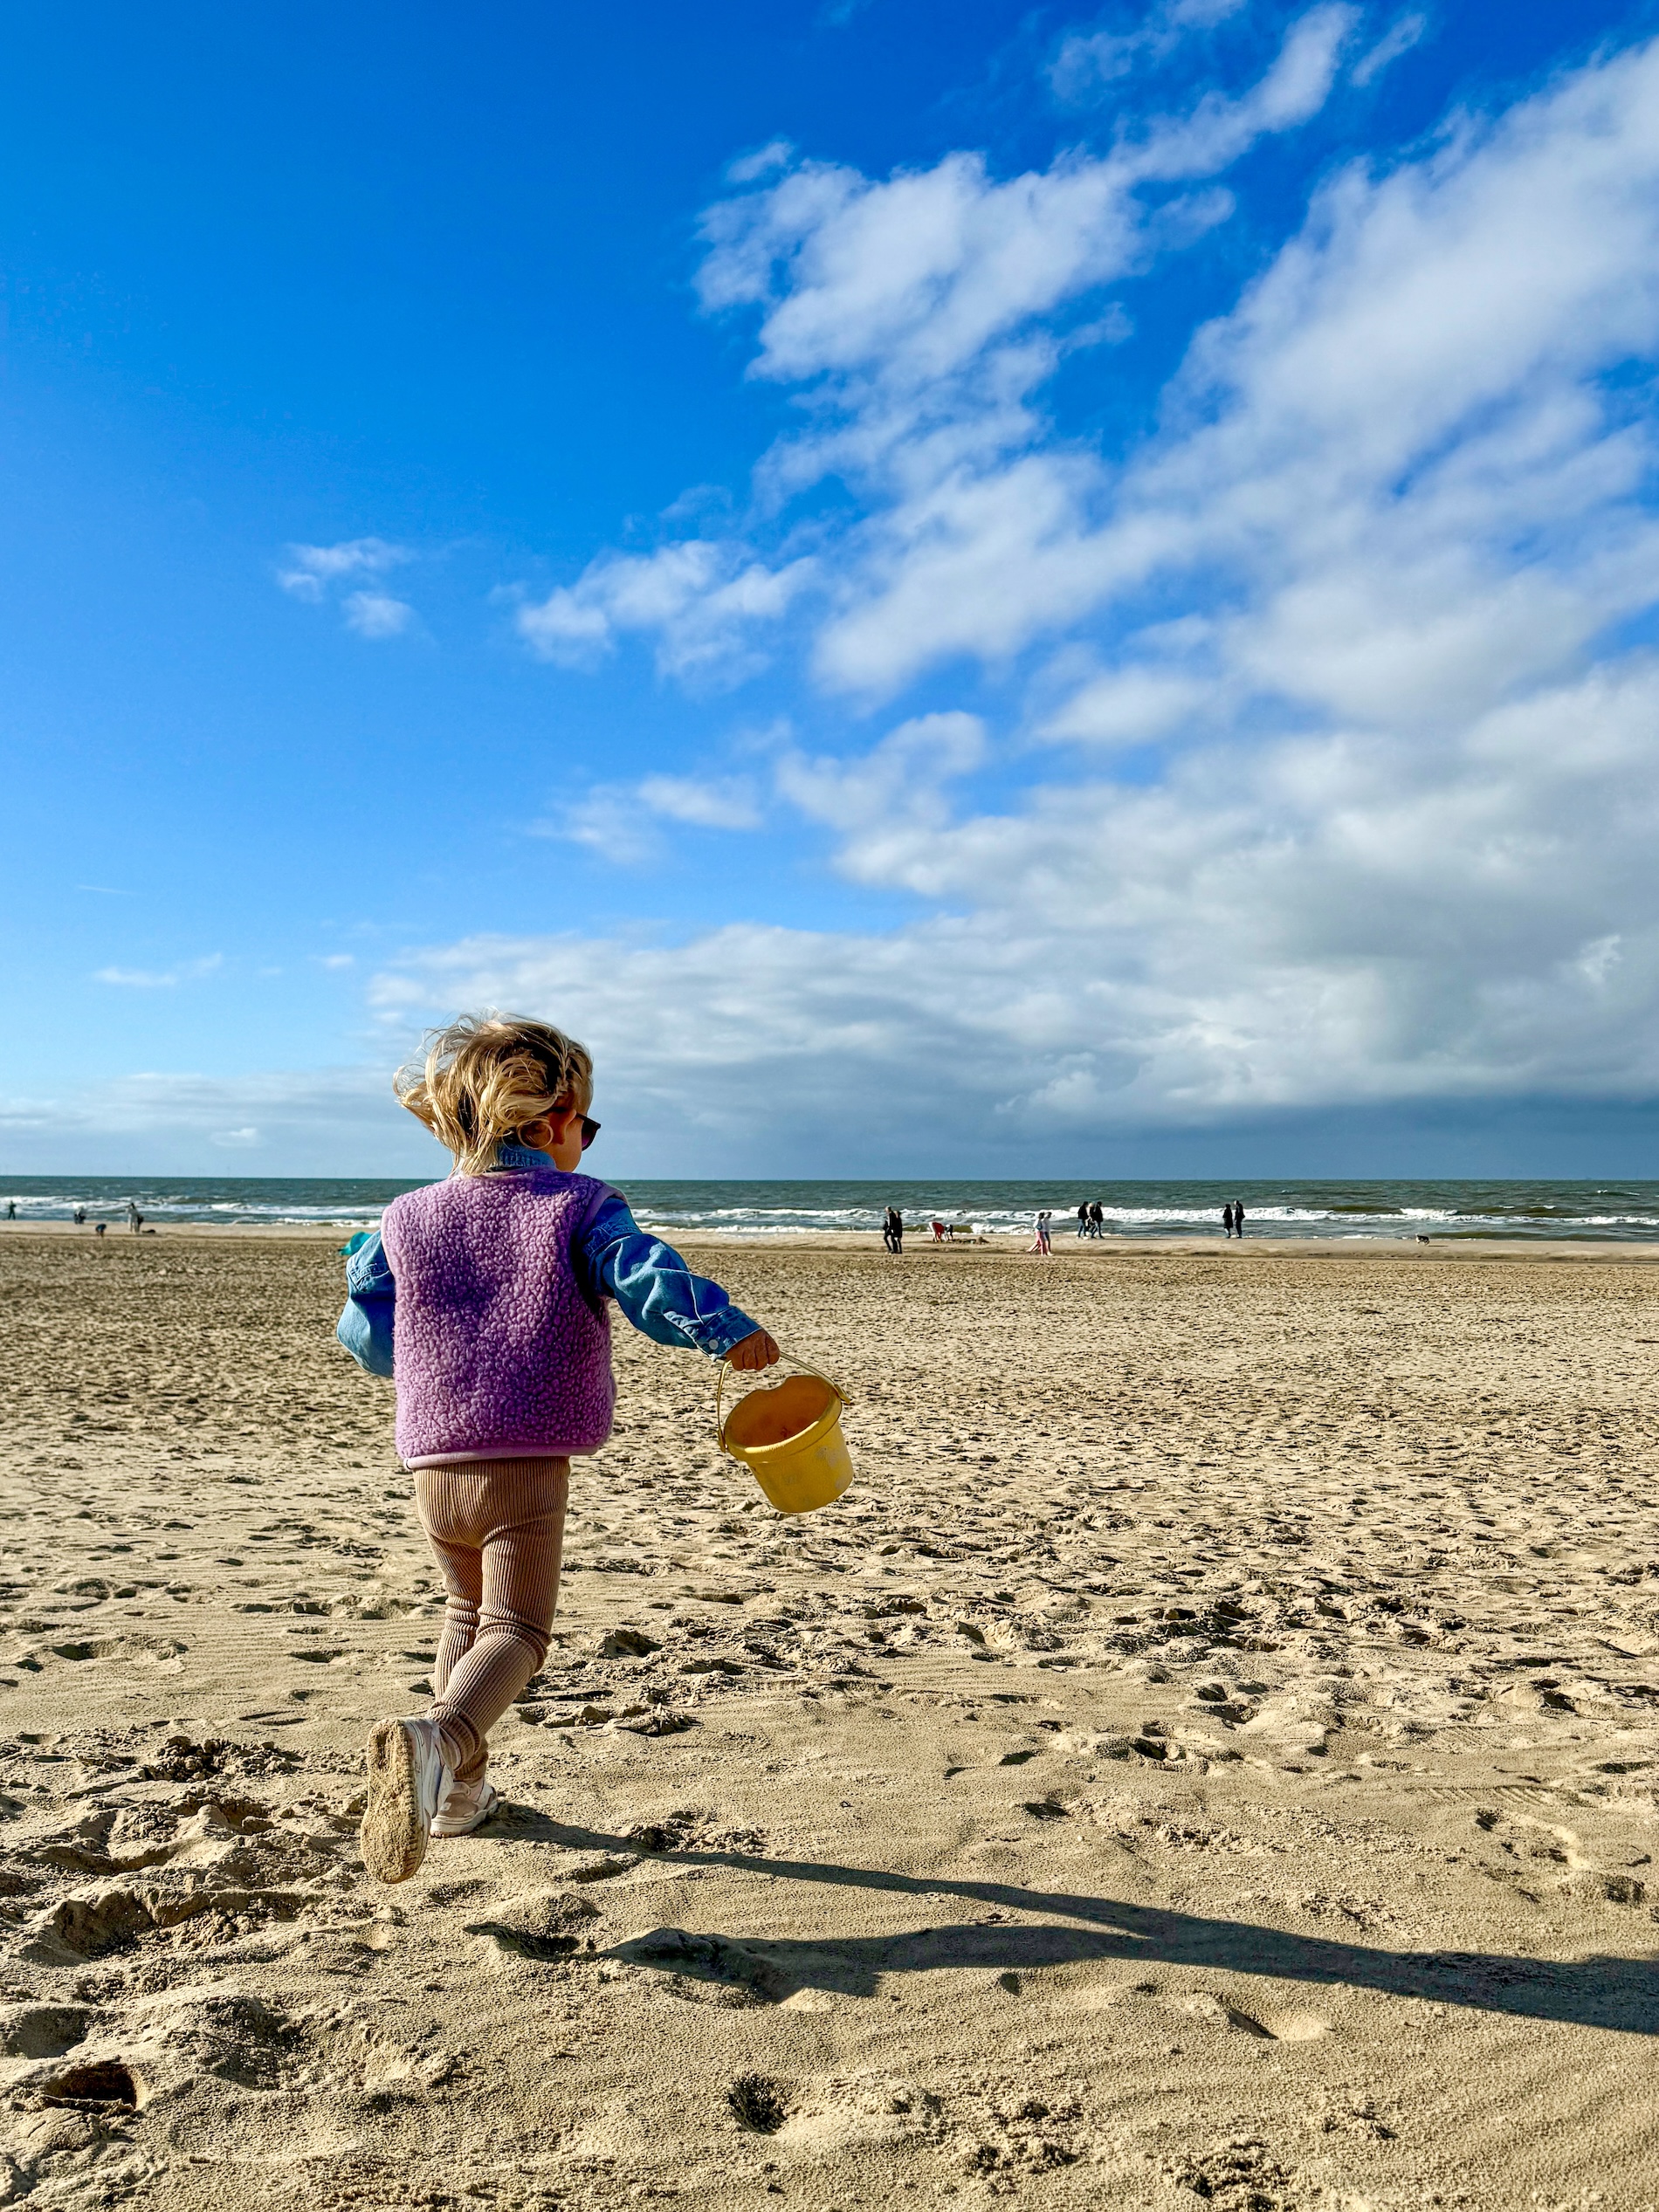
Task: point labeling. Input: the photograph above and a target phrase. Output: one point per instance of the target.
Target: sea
(1580, 1210)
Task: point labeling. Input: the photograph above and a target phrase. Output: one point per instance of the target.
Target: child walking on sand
(484, 1298)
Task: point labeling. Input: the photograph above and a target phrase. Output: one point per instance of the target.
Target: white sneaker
(466, 1805)
(407, 1781)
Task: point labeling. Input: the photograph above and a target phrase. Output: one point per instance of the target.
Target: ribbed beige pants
(496, 1527)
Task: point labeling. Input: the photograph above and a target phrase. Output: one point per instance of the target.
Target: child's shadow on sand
(1615, 1993)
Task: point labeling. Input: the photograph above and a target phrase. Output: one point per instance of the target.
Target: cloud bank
(1297, 757)
(311, 1122)
(1329, 710)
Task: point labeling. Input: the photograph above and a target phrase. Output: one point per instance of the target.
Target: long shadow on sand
(1598, 1992)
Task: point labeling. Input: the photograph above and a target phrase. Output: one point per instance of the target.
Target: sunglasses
(590, 1130)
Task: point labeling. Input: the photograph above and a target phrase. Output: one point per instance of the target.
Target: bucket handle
(726, 1369)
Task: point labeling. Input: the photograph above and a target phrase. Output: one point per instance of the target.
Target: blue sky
(970, 589)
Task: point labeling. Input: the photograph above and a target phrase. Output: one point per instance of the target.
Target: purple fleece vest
(498, 1353)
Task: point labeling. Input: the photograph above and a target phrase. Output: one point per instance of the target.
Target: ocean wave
(764, 1211)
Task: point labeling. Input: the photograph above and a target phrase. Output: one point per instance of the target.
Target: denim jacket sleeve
(365, 1327)
(654, 1287)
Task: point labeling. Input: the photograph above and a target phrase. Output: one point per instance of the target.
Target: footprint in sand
(758, 2103)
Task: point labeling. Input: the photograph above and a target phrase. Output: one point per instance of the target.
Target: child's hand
(758, 1351)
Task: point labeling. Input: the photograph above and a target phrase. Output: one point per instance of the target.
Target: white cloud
(611, 821)
(1087, 61)
(621, 822)
(1404, 412)
(1201, 15)
(699, 598)
(314, 572)
(161, 979)
(375, 614)
(1400, 38)
(312, 567)
(912, 279)
(1219, 129)
(714, 803)
(900, 784)
(918, 313)
(235, 1139)
(1131, 705)
(749, 169)
(899, 787)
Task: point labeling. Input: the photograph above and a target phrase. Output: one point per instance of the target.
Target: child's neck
(523, 1154)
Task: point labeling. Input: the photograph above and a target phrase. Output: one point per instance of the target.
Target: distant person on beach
(1043, 1226)
(892, 1230)
(1097, 1218)
(1226, 1218)
(101, 1228)
(1082, 1218)
(942, 1233)
(80, 1217)
(1238, 1218)
(11, 1209)
(135, 1219)
(484, 1298)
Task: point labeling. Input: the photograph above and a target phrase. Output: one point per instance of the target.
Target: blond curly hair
(483, 1078)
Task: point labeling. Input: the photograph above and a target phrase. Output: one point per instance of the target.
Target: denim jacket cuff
(716, 1334)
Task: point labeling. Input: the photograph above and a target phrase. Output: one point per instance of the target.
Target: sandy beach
(1208, 1758)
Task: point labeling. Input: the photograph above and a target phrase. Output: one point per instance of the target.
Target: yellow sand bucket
(788, 1436)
